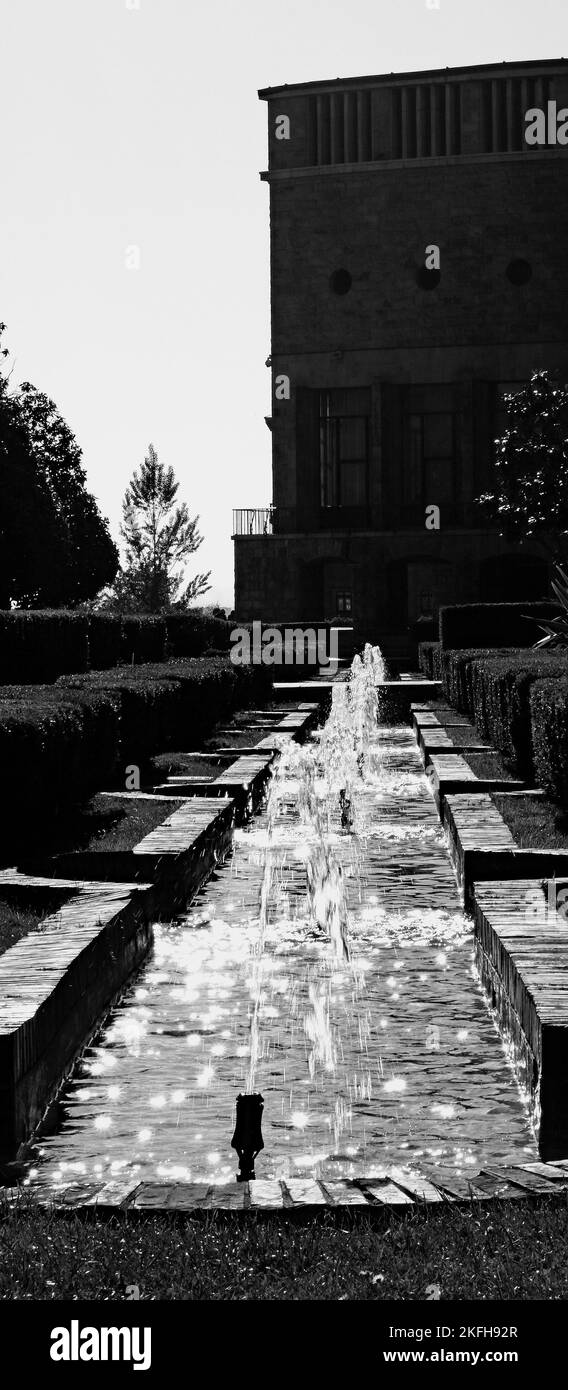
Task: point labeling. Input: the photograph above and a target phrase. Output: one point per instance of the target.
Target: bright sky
(136, 124)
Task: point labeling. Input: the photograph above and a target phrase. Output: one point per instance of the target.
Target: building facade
(418, 271)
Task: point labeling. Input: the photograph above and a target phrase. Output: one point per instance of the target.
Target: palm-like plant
(556, 629)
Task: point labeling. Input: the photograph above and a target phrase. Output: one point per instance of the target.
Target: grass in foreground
(535, 822)
(509, 1250)
(16, 922)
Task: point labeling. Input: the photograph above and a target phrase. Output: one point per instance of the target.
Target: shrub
(454, 668)
(490, 625)
(143, 639)
(58, 743)
(190, 634)
(549, 723)
(174, 704)
(149, 709)
(38, 646)
(493, 688)
(429, 660)
(55, 748)
(105, 641)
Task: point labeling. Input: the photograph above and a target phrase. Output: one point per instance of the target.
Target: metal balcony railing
(252, 521)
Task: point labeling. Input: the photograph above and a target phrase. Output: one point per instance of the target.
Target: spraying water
(328, 965)
(326, 775)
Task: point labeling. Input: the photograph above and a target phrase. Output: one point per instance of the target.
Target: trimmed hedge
(143, 638)
(549, 720)
(489, 625)
(105, 641)
(59, 743)
(171, 705)
(455, 675)
(38, 646)
(55, 748)
(493, 688)
(502, 693)
(430, 660)
(191, 634)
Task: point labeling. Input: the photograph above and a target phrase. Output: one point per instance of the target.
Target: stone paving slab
(428, 719)
(244, 781)
(443, 741)
(449, 774)
(185, 828)
(387, 1194)
(394, 1189)
(437, 707)
(304, 1194)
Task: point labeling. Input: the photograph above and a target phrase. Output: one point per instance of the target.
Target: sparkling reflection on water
(386, 1058)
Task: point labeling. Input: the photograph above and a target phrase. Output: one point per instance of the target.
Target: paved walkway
(389, 1059)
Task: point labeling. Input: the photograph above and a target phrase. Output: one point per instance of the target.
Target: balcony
(253, 521)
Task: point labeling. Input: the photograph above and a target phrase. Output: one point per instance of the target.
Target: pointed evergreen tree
(159, 536)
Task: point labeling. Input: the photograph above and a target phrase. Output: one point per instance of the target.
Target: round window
(428, 279)
(340, 281)
(519, 272)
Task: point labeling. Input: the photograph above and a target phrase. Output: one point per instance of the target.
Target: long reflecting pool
(328, 965)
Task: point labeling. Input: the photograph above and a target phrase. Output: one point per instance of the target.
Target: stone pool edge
(39, 1039)
(498, 877)
(386, 1189)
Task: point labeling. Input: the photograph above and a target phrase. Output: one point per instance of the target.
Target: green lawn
(509, 1250)
(535, 822)
(16, 922)
(488, 765)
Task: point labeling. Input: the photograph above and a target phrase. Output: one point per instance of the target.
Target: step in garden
(483, 848)
(437, 707)
(56, 982)
(244, 780)
(449, 774)
(176, 856)
(456, 740)
(426, 719)
(521, 936)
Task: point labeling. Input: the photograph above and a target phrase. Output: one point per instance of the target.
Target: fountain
(327, 965)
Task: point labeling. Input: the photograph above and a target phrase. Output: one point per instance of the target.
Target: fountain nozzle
(247, 1139)
(345, 808)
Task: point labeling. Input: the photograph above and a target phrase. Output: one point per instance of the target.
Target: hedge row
(430, 660)
(39, 646)
(549, 722)
(60, 742)
(55, 748)
(173, 704)
(491, 625)
(494, 689)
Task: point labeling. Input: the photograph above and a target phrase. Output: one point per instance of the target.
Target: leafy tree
(530, 496)
(159, 536)
(86, 557)
(55, 548)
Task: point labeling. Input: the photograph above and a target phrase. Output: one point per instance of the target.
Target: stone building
(418, 271)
